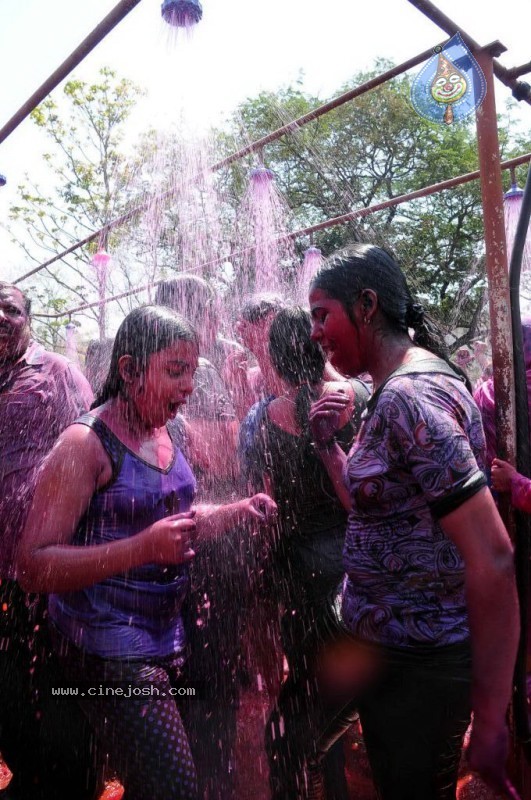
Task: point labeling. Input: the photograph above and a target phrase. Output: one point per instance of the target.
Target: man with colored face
(40, 394)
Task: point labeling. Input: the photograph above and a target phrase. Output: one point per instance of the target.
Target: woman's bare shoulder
(80, 447)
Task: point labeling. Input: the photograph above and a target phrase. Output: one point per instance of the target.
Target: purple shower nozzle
(514, 191)
(181, 13)
(261, 175)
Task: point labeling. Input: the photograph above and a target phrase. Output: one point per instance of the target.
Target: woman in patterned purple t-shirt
(427, 616)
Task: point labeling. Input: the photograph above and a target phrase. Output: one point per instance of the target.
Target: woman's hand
(260, 507)
(325, 415)
(169, 540)
(218, 520)
(487, 755)
(502, 474)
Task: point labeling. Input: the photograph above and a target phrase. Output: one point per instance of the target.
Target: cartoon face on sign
(448, 86)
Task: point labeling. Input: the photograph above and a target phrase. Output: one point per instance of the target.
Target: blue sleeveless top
(137, 614)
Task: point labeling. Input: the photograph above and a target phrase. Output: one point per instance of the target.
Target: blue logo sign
(450, 86)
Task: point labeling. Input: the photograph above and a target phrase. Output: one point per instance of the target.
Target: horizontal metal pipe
(292, 126)
(329, 223)
(89, 43)
(521, 90)
(253, 147)
(523, 69)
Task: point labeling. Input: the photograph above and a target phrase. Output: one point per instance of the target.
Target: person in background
(219, 573)
(97, 360)
(483, 360)
(427, 619)
(305, 562)
(484, 397)
(464, 358)
(41, 393)
(110, 536)
(251, 374)
(506, 478)
(261, 382)
(210, 416)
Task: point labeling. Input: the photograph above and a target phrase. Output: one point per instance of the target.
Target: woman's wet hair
(145, 331)
(366, 266)
(97, 361)
(188, 294)
(296, 358)
(259, 306)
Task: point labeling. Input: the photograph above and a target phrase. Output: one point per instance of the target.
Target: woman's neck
(122, 411)
(392, 354)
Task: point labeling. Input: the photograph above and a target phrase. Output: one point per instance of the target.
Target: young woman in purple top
(425, 628)
(110, 536)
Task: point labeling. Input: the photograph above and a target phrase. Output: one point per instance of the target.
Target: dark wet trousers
(414, 708)
(297, 627)
(44, 738)
(213, 623)
(132, 708)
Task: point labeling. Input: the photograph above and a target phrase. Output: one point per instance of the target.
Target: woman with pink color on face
(425, 628)
(110, 537)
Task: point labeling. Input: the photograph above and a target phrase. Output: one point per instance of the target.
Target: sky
(240, 48)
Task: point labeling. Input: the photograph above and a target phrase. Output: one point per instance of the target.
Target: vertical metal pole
(500, 322)
(496, 261)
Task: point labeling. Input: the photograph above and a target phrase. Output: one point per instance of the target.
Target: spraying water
(268, 253)
(100, 261)
(181, 232)
(71, 342)
(313, 259)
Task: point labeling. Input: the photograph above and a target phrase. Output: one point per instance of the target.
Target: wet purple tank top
(136, 614)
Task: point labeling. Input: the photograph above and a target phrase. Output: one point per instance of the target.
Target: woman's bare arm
(215, 520)
(479, 534)
(47, 561)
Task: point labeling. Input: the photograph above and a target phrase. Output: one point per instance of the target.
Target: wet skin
(336, 333)
(14, 325)
(158, 393)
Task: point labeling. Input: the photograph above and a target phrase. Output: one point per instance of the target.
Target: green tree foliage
(366, 152)
(89, 184)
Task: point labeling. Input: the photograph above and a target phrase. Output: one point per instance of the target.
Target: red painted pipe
(258, 145)
(329, 223)
(89, 43)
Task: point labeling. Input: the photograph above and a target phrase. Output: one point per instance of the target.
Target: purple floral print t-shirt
(419, 455)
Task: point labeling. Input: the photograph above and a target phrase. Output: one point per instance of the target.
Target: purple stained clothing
(137, 614)
(484, 397)
(419, 455)
(40, 395)
(521, 492)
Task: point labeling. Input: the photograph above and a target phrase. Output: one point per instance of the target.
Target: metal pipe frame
(125, 6)
(496, 262)
(87, 45)
(257, 146)
(520, 90)
(329, 223)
